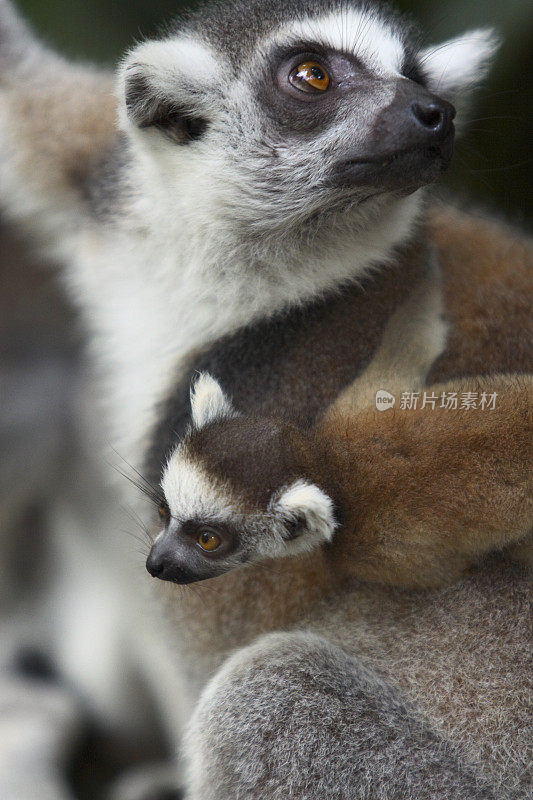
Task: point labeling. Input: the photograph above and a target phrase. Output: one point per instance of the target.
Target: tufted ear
(454, 68)
(305, 509)
(162, 84)
(208, 401)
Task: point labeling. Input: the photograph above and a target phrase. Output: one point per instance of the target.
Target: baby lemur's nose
(435, 117)
(155, 564)
(163, 563)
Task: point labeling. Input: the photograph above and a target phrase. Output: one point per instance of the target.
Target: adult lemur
(266, 181)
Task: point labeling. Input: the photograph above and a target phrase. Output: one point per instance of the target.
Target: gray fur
(293, 716)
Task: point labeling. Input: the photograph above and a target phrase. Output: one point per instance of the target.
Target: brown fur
(487, 269)
(426, 492)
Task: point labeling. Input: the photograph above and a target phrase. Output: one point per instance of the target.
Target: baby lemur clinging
(409, 497)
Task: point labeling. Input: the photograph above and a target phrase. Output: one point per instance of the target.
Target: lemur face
(235, 492)
(271, 112)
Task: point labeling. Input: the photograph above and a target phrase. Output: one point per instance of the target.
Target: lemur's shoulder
(476, 243)
(487, 268)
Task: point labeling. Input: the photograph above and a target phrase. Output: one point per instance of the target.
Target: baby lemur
(409, 497)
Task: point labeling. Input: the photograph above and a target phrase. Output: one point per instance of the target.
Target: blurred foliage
(493, 161)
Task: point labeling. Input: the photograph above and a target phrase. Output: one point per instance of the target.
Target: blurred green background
(493, 163)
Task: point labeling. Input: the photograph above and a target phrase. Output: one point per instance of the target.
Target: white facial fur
(192, 493)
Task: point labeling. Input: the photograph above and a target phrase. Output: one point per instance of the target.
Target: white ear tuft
(314, 508)
(208, 401)
(455, 67)
(160, 84)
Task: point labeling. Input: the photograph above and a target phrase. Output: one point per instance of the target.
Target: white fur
(307, 500)
(456, 66)
(359, 31)
(208, 401)
(192, 493)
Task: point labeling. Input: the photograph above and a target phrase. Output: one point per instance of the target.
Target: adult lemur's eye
(209, 541)
(163, 511)
(310, 76)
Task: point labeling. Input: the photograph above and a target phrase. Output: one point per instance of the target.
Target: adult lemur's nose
(434, 117)
(415, 119)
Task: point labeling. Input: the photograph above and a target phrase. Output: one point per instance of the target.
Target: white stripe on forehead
(191, 493)
(358, 31)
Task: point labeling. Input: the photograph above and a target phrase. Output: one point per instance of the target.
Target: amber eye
(163, 510)
(209, 541)
(309, 76)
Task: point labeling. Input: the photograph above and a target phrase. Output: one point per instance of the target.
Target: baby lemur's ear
(454, 68)
(162, 85)
(208, 401)
(306, 512)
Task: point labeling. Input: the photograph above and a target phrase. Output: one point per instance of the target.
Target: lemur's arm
(57, 122)
(429, 491)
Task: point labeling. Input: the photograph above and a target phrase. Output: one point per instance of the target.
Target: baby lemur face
(235, 492)
(266, 113)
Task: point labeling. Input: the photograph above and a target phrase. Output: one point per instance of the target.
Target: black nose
(155, 564)
(162, 563)
(434, 117)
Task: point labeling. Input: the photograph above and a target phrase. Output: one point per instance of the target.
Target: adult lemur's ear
(208, 401)
(306, 512)
(161, 86)
(454, 68)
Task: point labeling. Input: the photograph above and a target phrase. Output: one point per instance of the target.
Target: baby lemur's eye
(310, 76)
(209, 541)
(163, 510)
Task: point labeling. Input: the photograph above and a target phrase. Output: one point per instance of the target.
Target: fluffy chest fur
(179, 298)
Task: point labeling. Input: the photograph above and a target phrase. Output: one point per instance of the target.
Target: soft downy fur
(171, 247)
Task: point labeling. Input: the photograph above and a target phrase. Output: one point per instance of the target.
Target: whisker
(136, 471)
